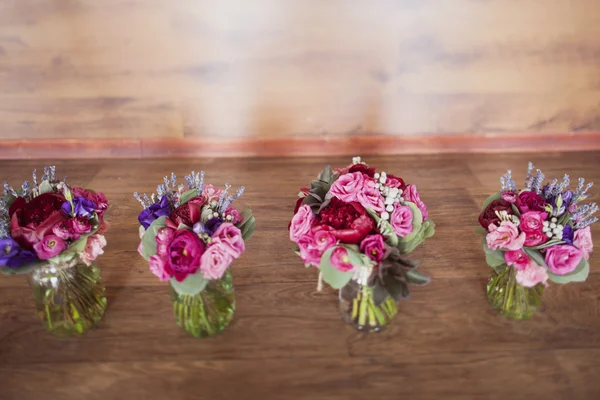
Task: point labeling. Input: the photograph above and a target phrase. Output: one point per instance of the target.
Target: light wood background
(188, 72)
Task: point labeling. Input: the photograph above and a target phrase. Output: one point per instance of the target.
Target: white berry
(389, 208)
(553, 219)
(385, 215)
(546, 223)
(553, 225)
(549, 234)
(376, 176)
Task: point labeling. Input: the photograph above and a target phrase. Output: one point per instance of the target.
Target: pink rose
(505, 237)
(533, 221)
(583, 241)
(401, 220)
(164, 237)
(215, 261)
(348, 186)
(563, 259)
(80, 225)
(309, 250)
(323, 240)
(374, 247)
(517, 259)
(340, 260)
(535, 239)
(231, 238)
(532, 275)
(211, 193)
(411, 194)
(157, 267)
(370, 197)
(93, 248)
(301, 223)
(50, 246)
(64, 230)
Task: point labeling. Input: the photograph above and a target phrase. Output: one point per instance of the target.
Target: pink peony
(533, 221)
(505, 237)
(374, 247)
(231, 238)
(301, 223)
(340, 260)
(93, 248)
(401, 220)
(348, 186)
(411, 194)
(370, 197)
(80, 225)
(215, 261)
(535, 239)
(157, 267)
(50, 246)
(563, 259)
(309, 250)
(532, 275)
(184, 254)
(164, 237)
(582, 239)
(517, 259)
(323, 240)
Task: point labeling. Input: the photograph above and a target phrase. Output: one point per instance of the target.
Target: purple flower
(155, 211)
(11, 254)
(24, 257)
(81, 207)
(212, 225)
(568, 234)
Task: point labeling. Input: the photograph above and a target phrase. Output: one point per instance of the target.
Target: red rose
(531, 201)
(347, 222)
(99, 198)
(489, 216)
(370, 172)
(30, 222)
(188, 213)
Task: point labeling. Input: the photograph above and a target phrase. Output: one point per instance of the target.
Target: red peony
(531, 201)
(188, 213)
(30, 222)
(488, 216)
(347, 222)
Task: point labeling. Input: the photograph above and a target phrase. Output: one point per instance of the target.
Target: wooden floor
(287, 340)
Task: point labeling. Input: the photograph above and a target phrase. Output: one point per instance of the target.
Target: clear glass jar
(69, 296)
(510, 298)
(208, 312)
(358, 307)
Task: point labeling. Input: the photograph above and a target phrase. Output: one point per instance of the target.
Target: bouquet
(536, 235)
(190, 237)
(355, 224)
(56, 231)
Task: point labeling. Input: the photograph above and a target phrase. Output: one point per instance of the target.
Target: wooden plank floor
(287, 340)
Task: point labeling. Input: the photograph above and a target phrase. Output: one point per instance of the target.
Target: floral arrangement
(356, 223)
(542, 231)
(192, 236)
(50, 222)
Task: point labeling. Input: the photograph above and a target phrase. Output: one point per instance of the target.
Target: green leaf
(191, 286)
(481, 231)
(535, 256)
(495, 196)
(579, 275)
(565, 218)
(417, 220)
(335, 278)
(45, 187)
(515, 210)
(326, 174)
(416, 278)
(246, 215)
(248, 228)
(397, 289)
(495, 258)
(549, 243)
(184, 226)
(9, 199)
(428, 229)
(149, 238)
(187, 196)
(386, 230)
(77, 246)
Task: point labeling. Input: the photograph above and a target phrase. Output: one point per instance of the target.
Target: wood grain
(273, 70)
(287, 340)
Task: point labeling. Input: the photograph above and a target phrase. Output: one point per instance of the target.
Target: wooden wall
(231, 74)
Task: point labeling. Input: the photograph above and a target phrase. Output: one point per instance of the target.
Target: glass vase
(207, 312)
(69, 296)
(510, 298)
(359, 309)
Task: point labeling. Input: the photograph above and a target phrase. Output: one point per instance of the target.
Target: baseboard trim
(303, 146)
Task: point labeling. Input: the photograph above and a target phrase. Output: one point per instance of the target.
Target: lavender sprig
(538, 181)
(9, 190)
(141, 200)
(581, 192)
(583, 216)
(507, 182)
(4, 220)
(529, 178)
(230, 199)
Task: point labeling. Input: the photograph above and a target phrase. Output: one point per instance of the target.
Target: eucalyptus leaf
(187, 196)
(515, 210)
(78, 246)
(386, 230)
(481, 231)
(495, 258)
(579, 275)
(547, 244)
(184, 226)
(416, 223)
(428, 229)
(326, 174)
(397, 289)
(535, 256)
(248, 228)
(334, 277)
(149, 238)
(416, 278)
(9, 199)
(246, 215)
(488, 201)
(191, 285)
(45, 187)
